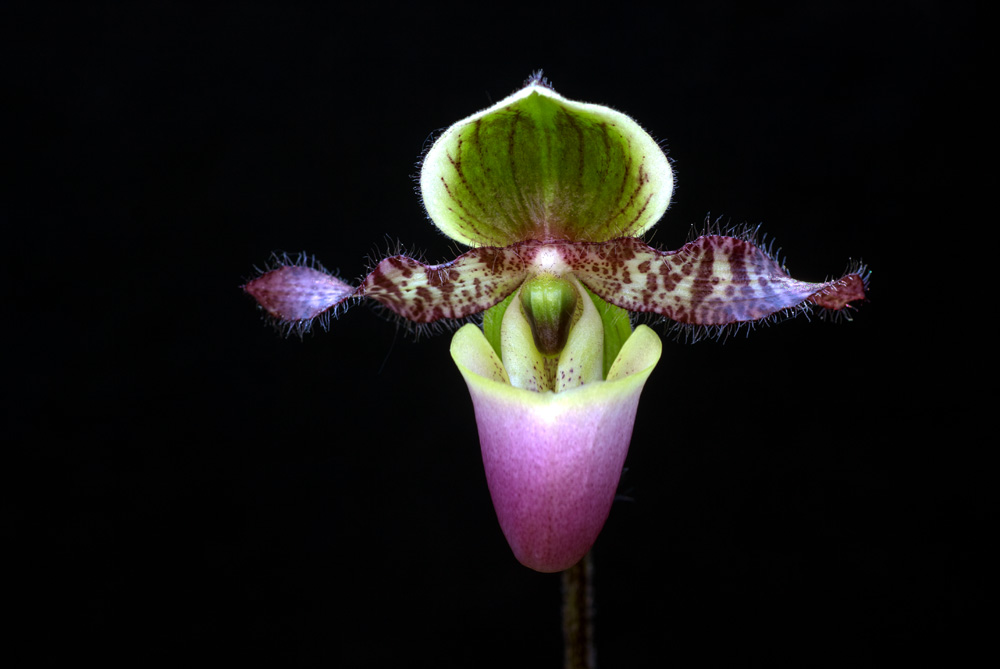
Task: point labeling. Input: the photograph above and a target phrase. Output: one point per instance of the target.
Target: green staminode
(549, 304)
(615, 320)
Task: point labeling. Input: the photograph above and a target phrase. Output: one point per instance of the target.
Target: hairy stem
(578, 615)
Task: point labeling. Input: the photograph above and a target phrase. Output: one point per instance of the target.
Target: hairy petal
(471, 283)
(422, 293)
(297, 293)
(714, 280)
(838, 294)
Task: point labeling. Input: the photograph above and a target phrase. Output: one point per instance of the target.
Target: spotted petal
(714, 280)
(422, 293)
(474, 281)
(538, 166)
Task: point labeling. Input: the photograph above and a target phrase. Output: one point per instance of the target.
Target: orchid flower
(552, 196)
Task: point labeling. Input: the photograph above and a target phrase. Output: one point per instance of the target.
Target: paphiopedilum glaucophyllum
(552, 195)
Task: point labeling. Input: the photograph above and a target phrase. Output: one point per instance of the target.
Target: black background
(199, 487)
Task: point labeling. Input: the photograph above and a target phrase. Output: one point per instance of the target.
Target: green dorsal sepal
(549, 304)
(537, 166)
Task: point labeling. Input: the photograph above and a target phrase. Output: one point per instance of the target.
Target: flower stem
(578, 615)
